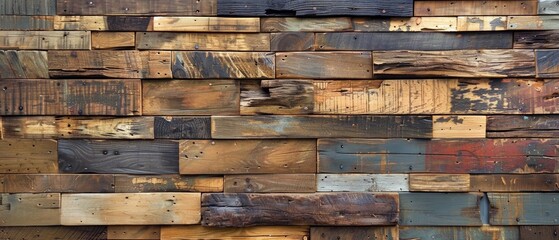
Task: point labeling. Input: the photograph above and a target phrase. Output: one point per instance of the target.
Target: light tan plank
(28, 209)
(113, 40)
(249, 233)
(475, 8)
(206, 24)
(133, 232)
(28, 156)
(45, 40)
(439, 182)
(291, 24)
(459, 126)
(413, 24)
(270, 183)
(168, 183)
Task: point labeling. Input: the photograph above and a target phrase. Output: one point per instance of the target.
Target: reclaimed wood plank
(515, 183)
(433, 209)
(247, 156)
(112, 156)
(335, 233)
(292, 41)
(523, 208)
(426, 41)
(536, 39)
(459, 126)
(250, 233)
(533, 22)
(115, 97)
(168, 183)
(538, 232)
(285, 96)
(206, 24)
(270, 183)
(156, 64)
(54, 232)
(27, 209)
(137, 7)
(230, 127)
(547, 65)
(45, 40)
(133, 232)
(362, 183)
(28, 156)
(324, 65)
(28, 7)
(203, 41)
(103, 23)
(421, 182)
(26, 23)
(483, 232)
(23, 64)
(512, 126)
(548, 7)
(475, 8)
(223, 65)
(130, 208)
(59, 183)
(113, 40)
(412, 24)
(341, 209)
(292, 24)
(189, 127)
(482, 23)
(177, 97)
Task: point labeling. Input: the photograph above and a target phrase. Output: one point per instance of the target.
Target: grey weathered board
(324, 65)
(368, 233)
(28, 209)
(187, 127)
(524, 208)
(548, 7)
(440, 209)
(536, 39)
(28, 7)
(137, 7)
(362, 183)
(547, 63)
(525, 126)
(484, 232)
(20, 23)
(292, 41)
(23, 64)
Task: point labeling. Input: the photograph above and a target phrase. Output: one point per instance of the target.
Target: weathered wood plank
(413, 24)
(203, 41)
(547, 64)
(515, 183)
(536, 39)
(133, 232)
(250, 233)
(183, 127)
(71, 97)
(223, 65)
(291, 24)
(538, 232)
(538, 126)
(54, 232)
(341, 209)
(324, 65)
(440, 209)
(132, 209)
(270, 183)
(78, 127)
(27, 23)
(437, 156)
(63, 183)
(483, 232)
(482, 23)
(336, 233)
(113, 40)
(292, 41)
(103, 23)
(168, 183)
(426, 41)
(177, 97)
(26, 209)
(533, 22)
(156, 64)
(111, 156)
(321, 127)
(475, 8)
(459, 63)
(28, 156)
(362, 183)
(439, 182)
(45, 40)
(524, 208)
(548, 7)
(137, 7)
(23, 64)
(277, 97)
(206, 24)
(28, 7)
(247, 156)
(459, 126)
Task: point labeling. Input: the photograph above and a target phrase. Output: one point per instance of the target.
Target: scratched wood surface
(281, 97)
(543, 126)
(292, 24)
(536, 39)
(223, 65)
(203, 41)
(547, 63)
(23, 64)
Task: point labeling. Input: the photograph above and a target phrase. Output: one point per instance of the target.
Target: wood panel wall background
(284, 119)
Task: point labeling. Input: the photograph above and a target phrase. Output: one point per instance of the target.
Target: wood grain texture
(547, 64)
(292, 24)
(189, 127)
(111, 156)
(324, 65)
(156, 64)
(203, 41)
(548, 7)
(26, 209)
(206, 24)
(28, 156)
(270, 183)
(286, 96)
(536, 39)
(133, 232)
(23, 64)
(321, 127)
(223, 65)
(536, 126)
(71, 97)
(113, 40)
(343, 209)
(412, 24)
(483, 232)
(475, 8)
(103, 23)
(482, 23)
(439, 182)
(45, 40)
(177, 97)
(247, 156)
(515, 183)
(459, 126)
(135, 7)
(538, 232)
(26, 23)
(78, 127)
(250, 233)
(362, 183)
(523, 208)
(263, 8)
(132, 209)
(292, 41)
(440, 209)
(533, 22)
(63, 183)
(168, 183)
(54, 232)
(335, 233)
(28, 7)
(459, 63)
(426, 41)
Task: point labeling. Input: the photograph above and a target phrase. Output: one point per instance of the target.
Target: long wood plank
(459, 126)
(189, 127)
(324, 65)
(422, 182)
(437, 156)
(137, 7)
(536, 126)
(291, 24)
(71, 97)
(362, 183)
(484, 232)
(533, 22)
(103, 23)
(133, 232)
(515, 183)
(475, 8)
(64, 183)
(335, 233)
(54, 232)
(277, 97)
(178, 97)
(132, 209)
(28, 156)
(547, 63)
(45, 40)
(168, 183)
(426, 41)
(112, 156)
(440, 209)
(28, 7)
(247, 156)
(482, 23)
(536, 39)
(459, 63)
(23, 64)
(538, 232)
(206, 24)
(342, 209)
(203, 41)
(250, 233)
(113, 41)
(223, 65)
(263, 8)
(270, 183)
(26, 23)
(548, 7)
(524, 208)
(27, 209)
(413, 24)
(231, 127)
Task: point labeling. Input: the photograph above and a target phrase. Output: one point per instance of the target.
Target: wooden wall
(284, 119)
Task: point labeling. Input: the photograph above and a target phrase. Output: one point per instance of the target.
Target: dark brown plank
(535, 126)
(475, 8)
(66, 183)
(514, 183)
(270, 183)
(324, 65)
(103, 23)
(168, 183)
(524, 208)
(137, 7)
(128, 157)
(54, 232)
(277, 97)
(223, 65)
(538, 232)
(536, 39)
(292, 41)
(183, 127)
(440, 209)
(368, 233)
(342, 209)
(548, 65)
(23, 64)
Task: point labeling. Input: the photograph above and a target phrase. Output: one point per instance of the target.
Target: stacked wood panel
(285, 119)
